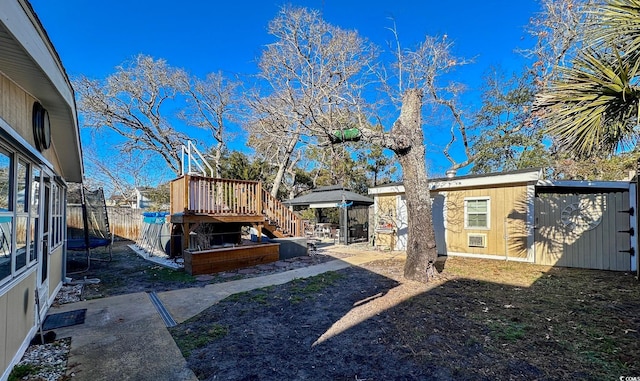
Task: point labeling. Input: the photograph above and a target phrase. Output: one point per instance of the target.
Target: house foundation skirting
(501, 257)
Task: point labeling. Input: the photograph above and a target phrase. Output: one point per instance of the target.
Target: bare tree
(306, 74)
(558, 31)
(131, 102)
(274, 133)
(118, 173)
(416, 77)
(211, 103)
(321, 71)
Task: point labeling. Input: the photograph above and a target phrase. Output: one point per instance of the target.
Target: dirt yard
(127, 272)
(483, 320)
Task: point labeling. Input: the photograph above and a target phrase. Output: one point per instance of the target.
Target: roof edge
(531, 175)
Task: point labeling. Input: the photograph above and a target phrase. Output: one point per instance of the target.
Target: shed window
(476, 213)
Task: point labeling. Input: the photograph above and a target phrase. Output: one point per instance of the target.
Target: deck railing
(224, 197)
(207, 195)
(276, 211)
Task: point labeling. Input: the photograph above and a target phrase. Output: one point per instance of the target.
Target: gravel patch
(69, 293)
(46, 362)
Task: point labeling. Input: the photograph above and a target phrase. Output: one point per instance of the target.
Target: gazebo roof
(329, 197)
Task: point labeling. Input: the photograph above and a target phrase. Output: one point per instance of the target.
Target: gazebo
(354, 210)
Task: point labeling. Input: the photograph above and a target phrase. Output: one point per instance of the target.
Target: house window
(21, 182)
(21, 215)
(22, 224)
(5, 177)
(57, 214)
(476, 213)
(34, 214)
(6, 215)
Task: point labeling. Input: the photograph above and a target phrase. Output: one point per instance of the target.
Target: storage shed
(519, 216)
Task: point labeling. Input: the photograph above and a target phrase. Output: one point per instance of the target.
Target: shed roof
(329, 197)
(528, 175)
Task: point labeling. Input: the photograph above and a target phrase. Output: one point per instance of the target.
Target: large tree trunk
(217, 157)
(409, 148)
(282, 166)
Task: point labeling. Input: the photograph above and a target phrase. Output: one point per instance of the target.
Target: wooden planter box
(229, 258)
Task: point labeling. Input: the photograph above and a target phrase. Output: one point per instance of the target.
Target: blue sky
(93, 37)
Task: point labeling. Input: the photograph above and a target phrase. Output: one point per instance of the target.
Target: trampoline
(94, 232)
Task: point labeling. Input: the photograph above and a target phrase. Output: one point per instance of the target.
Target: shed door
(583, 230)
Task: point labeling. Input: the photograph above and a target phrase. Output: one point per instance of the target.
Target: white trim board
(513, 178)
(584, 184)
(461, 182)
(6, 287)
(398, 188)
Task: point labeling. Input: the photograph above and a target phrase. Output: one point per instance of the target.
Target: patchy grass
(128, 273)
(302, 289)
(163, 274)
(496, 271)
(189, 340)
(21, 371)
(587, 320)
(260, 296)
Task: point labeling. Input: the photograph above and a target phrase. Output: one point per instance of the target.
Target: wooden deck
(197, 199)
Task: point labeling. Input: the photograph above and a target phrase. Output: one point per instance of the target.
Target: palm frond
(618, 26)
(594, 104)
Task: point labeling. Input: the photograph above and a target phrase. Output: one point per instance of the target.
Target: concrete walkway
(125, 338)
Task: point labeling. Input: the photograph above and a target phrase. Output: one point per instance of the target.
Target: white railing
(194, 160)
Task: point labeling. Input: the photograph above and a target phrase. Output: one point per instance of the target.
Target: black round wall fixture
(41, 127)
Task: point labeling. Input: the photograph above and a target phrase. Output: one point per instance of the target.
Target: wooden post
(185, 235)
(259, 227)
(185, 194)
(258, 200)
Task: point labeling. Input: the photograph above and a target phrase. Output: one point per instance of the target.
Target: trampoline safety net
(95, 220)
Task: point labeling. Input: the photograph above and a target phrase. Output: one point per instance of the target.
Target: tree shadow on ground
(544, 323)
